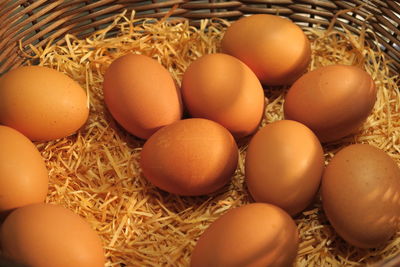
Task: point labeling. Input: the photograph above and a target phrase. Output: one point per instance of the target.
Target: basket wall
(24, 22)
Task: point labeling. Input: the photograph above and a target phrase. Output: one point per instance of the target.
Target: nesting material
(96, 171)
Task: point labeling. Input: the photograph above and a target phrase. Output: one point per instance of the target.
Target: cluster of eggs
(224, 97)
(39, 104)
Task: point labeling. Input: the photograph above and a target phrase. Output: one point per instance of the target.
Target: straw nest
(96, 171)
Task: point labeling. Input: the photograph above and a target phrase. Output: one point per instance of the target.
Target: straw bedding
(96, 172)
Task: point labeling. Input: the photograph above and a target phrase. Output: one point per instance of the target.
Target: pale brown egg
(23, 174)
(46, 235)
(221, 88)
(361, 195)
(141, 95)
(190, 157)
(42, 103)
(333, 101)
(275, 48)
(284, 164)
(253, 235)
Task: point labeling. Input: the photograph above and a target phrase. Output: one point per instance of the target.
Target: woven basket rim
(39, 21)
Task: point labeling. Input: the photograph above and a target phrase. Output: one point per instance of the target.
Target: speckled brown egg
(46, 235)
(333, 101)
(275, 48)
(284, 164)
(190, 157)
(141, 95)
(361, 195)
(254, 235)
(23, 174)
(42, 103)
(221, 88)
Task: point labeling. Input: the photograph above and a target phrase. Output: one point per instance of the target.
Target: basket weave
(24, 22)
(37, 21)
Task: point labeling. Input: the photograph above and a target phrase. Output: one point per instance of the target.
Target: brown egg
(221, 88)
(45, 235)
(256, 235)
(284, 164)
(333, 101)
(141, 95)
(23, 173)
(361, 195)
(275, 48)
(42, 103)
(190, 157)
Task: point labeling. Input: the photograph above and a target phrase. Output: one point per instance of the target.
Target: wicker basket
(34, 22)
(24, 22)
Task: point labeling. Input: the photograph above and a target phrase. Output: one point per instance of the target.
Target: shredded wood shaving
(96, 171)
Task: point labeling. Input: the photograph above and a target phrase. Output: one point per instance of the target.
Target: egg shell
(275, 48)
(46, 235)
(23, 174)
(141, 95)
(284, 164)
(361, 195)
(253, 235)
(42, 103)
(190, 157)
(221, 88)
(334, 101)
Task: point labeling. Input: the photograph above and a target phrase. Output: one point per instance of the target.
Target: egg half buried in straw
(284, 164)
(333, 101)
(361, 195)
(275, 48)
(141, 95)
(42, 103)
(221, 88)
(190, 157)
